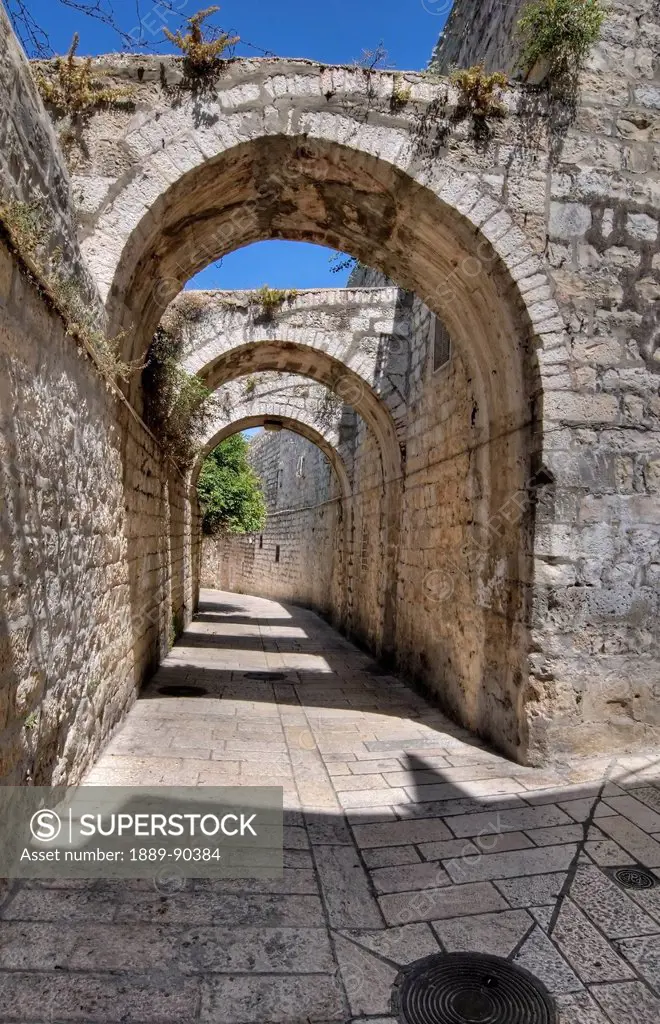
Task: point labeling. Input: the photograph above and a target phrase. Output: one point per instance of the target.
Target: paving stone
(501, 842)
(644, 954)
(641, 846)
(226, 1000)
(608, 906)
(293, 880)
(348, 783)
(498, 934)
(506, 820)
(579, 1008)
(371, 815)
(650, 796)
(448, 848)
(438, 904)
(509, 865)
(208, 908)
(400, 833)
(366, 978)
(373, 797)
(536, 890)
(403, 945)
(562, 834)
(375, 766)
(92, 998)
(639, 813)
(581, 810)
(255, 950)
(388, 856)
(451, 790)
(539, 956)
(588, 953)
(103, 947)
(451, 808)
(348, 899)
(60, 905)
(328, 830)
(407, 877)
(36, 945)
(630, 1001)
(606, 853)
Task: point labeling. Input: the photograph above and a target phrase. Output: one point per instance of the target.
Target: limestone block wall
(32, 166)
(92, 547)
(297, 557)
(479, 31)
(97, 543)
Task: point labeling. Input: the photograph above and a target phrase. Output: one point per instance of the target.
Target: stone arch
(365, 329)
(353, 176)
(279, 399)
(305, 361)
(284, 423)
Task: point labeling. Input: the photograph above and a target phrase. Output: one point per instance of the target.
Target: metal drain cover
(269, 677)
(634, 878)
(471, 988)
(181, 690)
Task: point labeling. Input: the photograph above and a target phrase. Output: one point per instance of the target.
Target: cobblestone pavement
(404, 836)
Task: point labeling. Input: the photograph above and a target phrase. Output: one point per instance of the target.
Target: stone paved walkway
(405, 836)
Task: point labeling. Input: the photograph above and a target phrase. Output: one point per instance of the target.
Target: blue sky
(335, 33)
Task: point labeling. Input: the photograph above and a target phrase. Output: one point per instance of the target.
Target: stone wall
(94, 560)
(97, 536)
(479, 32)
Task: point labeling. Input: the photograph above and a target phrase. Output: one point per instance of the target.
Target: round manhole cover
(471, 988)
(269, 677)
(635, 878)
(181, 690)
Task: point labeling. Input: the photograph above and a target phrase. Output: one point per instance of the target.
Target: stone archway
(199, 190)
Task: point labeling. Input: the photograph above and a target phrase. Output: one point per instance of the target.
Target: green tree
(229, 490)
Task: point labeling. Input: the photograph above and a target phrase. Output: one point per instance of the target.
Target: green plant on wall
(271, 299)
(178, 405)
(28, 228)
(480, 93)
(73, 90)
(229, 490)
(201, 49)
(559, 32)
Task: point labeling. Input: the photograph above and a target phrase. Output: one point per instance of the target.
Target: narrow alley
(403, 837)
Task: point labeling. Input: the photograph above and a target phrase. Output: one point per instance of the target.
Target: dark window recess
(441, 345)
(261, 540)
(277, 552)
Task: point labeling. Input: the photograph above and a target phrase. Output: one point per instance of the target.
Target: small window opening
(441, 345)
(277, 552)
(261, 540)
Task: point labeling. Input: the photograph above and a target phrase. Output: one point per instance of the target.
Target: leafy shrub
(74, 91)
(479, 92)
(27, 223)
(201, 52)
(559, 31)
(230, 491)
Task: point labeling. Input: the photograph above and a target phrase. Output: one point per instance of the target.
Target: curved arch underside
(314, 190)
(305, 361)
(282, 422)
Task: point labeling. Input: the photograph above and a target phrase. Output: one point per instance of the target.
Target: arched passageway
(447, 240)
